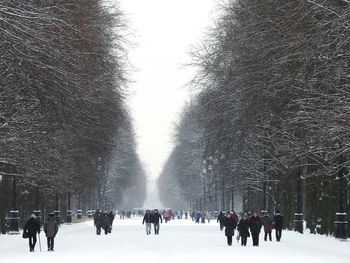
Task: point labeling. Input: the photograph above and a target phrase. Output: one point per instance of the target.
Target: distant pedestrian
(243, 228)
(267, 223)
(98, 222)
(31, 228)
(106, 224)
(111, 219)
(208, 217)
(156, 218)
(203, 217)
(192, 215)
(278, 223)
(148, 219)
(221, 220)
(230, 226)
(318, 226)
(197, 217)
(167, 215)
(51, 229)
(235, 216)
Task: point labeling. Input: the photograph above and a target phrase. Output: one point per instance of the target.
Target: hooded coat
(278, 220)
(32, 226)
(230, 225)
(255, 225)
(51, 227)
(267, 223)
(243, 228)
(157, 217)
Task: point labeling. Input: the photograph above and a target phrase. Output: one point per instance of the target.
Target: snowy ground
(179, 241)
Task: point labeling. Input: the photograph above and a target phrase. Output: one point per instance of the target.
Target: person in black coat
(255, 225)
(106, 225)
(221, 220)
(31, 227)
(51, 229)
(230, 226)
(243, 228)
(148, 219)
(278, 223)
(156, 218)
(98, 222)
(111, 219)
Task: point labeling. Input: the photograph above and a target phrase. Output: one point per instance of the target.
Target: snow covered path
(179, 241)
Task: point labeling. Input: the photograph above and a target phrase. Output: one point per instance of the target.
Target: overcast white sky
(164, 32)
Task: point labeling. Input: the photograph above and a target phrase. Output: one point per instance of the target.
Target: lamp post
(9, 169)
(223, 193)
(37, 211)
(216, 162)
(79, 211)
(14, 213)
(298, 215)
(57, 211)
(222, 157)
(264, 207)
(232, 196)
(69, 211)
(210, 168)
(341, 222)
(204, 175)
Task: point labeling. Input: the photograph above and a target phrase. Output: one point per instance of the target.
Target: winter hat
(33, 216)
(52, 214)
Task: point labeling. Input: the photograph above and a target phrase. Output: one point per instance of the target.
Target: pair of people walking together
(32, 228)
(154, 218)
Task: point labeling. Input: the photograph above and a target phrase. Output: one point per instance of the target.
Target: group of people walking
(200, 217)
(246, 226)
(32, 229)
(152, 217)
(103, 220)
(252, 225)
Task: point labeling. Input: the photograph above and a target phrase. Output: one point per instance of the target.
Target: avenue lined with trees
(65, 130)
(268, 126)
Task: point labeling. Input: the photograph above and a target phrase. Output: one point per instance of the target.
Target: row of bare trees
(63, 119)
(270, 120)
